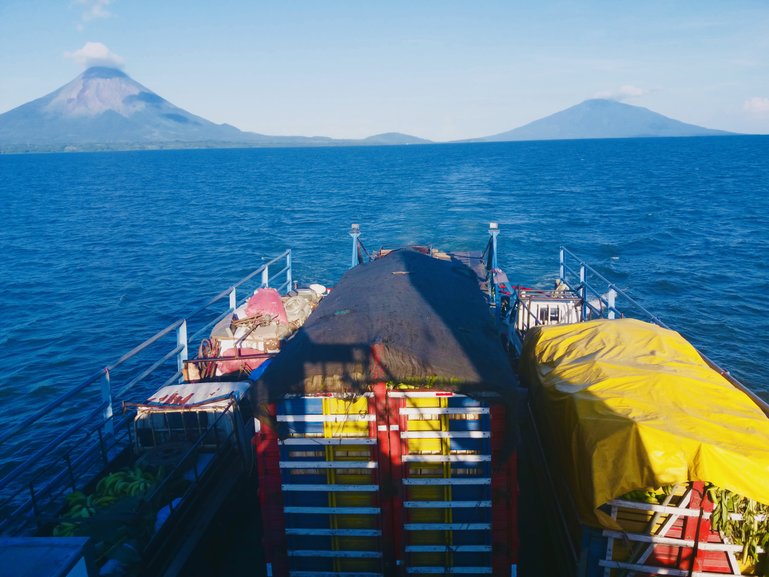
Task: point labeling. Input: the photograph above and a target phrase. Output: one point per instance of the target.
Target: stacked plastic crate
(388, 483)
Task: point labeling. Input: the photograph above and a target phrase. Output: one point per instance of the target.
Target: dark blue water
(99, 251)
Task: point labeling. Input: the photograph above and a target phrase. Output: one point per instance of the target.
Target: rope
(260, 320)
(208, 348)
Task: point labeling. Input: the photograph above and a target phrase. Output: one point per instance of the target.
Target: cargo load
(206, 413)
(251, 334)
(387, 429)
(630, 411)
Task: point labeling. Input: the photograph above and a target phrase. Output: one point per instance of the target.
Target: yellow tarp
(627, 405)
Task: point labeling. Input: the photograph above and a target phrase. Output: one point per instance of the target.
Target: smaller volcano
(598, 118)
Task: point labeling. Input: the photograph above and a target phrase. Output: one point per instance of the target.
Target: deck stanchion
(289, 278)
(266, 277)
(102, 450)
(68, 460)
(494, 232)
(106, 397)
(611, 298)
(233, 299)
(181, 343)
(583, 288)
(35, 506)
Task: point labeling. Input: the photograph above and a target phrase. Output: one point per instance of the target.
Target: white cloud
(756, 104)
(94, 9)
(95, 54)
(622, 93)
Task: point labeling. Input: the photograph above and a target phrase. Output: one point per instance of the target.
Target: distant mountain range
(105, 109)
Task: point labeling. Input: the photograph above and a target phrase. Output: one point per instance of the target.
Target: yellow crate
(347, 428)
(353, 476)
(431, 446)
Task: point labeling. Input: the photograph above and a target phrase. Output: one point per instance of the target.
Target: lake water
(99, 251)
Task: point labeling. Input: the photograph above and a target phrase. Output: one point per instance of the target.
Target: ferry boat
(382, 430)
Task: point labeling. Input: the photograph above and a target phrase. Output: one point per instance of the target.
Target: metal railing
(28, 506)
(42, 510)
(97, 435)
(597, 302)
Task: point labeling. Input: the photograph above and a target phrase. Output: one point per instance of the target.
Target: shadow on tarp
(408, 319)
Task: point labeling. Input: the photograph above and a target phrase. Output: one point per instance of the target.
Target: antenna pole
(354, 233)
(494, 231)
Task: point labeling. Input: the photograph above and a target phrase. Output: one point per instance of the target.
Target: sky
(438, 69)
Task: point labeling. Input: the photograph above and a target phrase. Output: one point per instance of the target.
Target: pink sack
(226, 367)
(267, 301)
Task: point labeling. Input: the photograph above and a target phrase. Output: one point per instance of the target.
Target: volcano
(106, 108)
(599, 118)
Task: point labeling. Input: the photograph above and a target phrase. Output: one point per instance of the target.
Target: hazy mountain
(105, 109)
(394, 138)
(602, 119)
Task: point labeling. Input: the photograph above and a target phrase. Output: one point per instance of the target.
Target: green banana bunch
(131, 481)
(128, 482)
(81, 506)
(107, 485)
(75, 498)
(80, 510)
(751, 530)
(651, 496)
(65, 529)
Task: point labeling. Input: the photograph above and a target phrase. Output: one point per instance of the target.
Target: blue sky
(438, 69)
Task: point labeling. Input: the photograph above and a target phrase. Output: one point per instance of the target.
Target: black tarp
(407, 318)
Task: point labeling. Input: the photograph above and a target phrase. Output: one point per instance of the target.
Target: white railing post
(266, 277)
(181, 341)
(233, 299)
(493, 294)
(106, 397)
(562, 267)
(583, 289)
(611, 298)
(289, 277)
